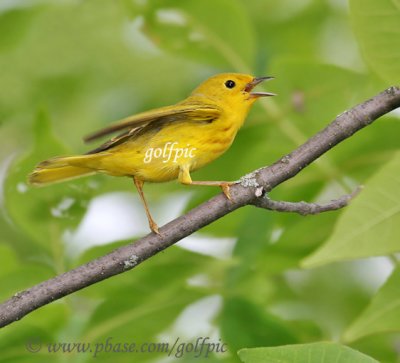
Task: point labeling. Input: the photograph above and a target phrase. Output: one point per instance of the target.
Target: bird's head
(230, 89)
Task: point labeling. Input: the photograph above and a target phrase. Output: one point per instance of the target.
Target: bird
(165, 143)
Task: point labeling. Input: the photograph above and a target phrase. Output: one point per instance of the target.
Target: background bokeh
(254, 278)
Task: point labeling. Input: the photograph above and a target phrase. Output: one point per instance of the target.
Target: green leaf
(368, 152)
(18, 270)
(245, 324)
(288, 28)
(42, 324)
(287, 252)
(381, 315)
(376, 24)
(324, 352)
(370, 225)
(14, 25)
(34, 331)
(12, 236)
(15, 275)
(378, 346)
(245, 277)
(220, 37)
(308, 103)
(42, 213)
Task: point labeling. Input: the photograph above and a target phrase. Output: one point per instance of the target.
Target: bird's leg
(139, 186)
(185, 178)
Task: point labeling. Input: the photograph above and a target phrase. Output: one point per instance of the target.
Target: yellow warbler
(166, 143)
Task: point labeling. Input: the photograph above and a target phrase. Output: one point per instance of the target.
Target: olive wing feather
(148, 121)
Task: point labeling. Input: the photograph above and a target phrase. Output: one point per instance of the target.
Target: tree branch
(304, 208)
(246, 192)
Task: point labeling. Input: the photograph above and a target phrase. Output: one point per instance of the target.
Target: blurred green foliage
(323, 352)
(70, 67)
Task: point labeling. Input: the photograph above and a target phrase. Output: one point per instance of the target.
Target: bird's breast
(160, 157)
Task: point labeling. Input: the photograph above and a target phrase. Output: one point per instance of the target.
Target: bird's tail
(57, 170)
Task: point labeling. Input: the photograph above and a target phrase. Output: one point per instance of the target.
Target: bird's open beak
(249, 87)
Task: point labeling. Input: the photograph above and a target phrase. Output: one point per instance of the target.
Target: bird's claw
(154, 227)
(226, 190)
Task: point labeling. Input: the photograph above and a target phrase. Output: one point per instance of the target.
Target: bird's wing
(154, 119)
(189, 112)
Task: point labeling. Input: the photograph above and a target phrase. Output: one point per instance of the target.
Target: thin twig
(243, 193)
(304, 208)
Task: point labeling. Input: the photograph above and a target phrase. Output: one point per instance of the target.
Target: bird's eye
(230, 84)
